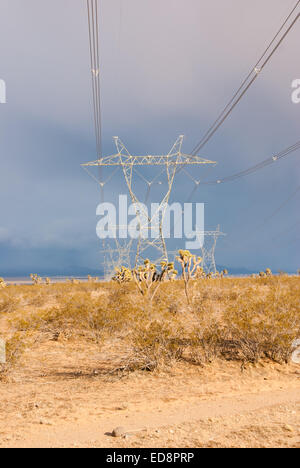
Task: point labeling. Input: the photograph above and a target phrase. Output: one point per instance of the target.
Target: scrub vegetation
(155, 320)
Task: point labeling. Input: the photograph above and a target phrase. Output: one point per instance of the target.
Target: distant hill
(237, 270)
(69, 271)
(79, 271)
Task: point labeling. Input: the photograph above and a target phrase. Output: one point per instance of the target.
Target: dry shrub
(80, 313)
(206, 341)
(264, 327)
(156, 344)
(259, 320)
(8, 302)
(38, 299)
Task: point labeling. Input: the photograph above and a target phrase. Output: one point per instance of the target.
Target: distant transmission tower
(117, 257)
(128, 164)
(208, 250)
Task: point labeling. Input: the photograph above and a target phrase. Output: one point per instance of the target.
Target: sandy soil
(57, 397)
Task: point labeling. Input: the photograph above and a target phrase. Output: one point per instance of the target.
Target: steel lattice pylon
(208, 250)
(170, 163)
(117, 257)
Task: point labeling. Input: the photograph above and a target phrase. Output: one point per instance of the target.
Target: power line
(238, 96)
(258, 67)
(285, 231)
(257, 167)
(245, 240)
(93, 25)
(282, 205)
(250, 170)
(295, 240)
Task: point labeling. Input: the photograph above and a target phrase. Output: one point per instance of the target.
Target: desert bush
(207, 341)
(80, 313)
(264, 327)
(38, 299)
(9, 302)
(156, 344)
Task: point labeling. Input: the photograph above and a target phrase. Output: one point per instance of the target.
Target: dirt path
(85, 433)
(213, 407)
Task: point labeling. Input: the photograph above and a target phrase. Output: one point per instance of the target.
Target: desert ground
(83, 359)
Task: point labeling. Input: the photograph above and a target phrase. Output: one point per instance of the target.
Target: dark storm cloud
(167, 68)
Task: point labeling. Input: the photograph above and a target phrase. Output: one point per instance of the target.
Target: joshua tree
(91, 279)
(189, 265)
(148, 278)
(199, 273)
(122, 275)
(74, 281)
(36, 279)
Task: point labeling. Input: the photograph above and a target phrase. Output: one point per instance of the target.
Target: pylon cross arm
(124, 158)
(149, 160)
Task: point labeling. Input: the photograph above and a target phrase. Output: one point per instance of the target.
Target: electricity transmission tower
(208, 250)
(117, 256)
(169, 163)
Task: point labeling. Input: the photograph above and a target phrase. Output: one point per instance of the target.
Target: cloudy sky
(167, 68)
